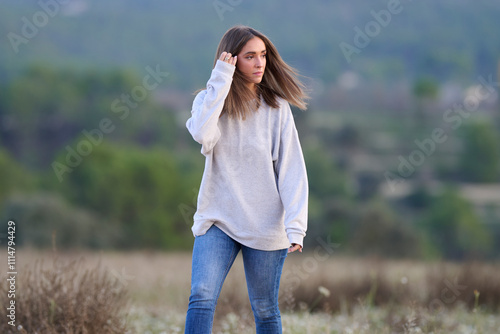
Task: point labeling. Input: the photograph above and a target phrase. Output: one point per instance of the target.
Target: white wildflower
(324, 291)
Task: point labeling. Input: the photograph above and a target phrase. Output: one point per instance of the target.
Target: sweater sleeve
(292, 178)
(207, 107)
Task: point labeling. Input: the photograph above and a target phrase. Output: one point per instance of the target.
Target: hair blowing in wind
(279, 81)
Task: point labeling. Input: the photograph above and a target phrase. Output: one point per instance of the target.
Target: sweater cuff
(225, 68)
(296, 238)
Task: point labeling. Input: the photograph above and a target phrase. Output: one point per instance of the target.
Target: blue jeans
(213, 256)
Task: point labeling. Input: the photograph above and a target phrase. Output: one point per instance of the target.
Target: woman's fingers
(223, 56)
(295, 247)
(226, 57)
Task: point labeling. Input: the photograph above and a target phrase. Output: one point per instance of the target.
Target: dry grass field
(147, 292)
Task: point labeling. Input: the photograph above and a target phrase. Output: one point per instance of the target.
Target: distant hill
(447, 39)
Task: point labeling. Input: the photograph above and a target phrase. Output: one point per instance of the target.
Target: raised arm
(208, 104)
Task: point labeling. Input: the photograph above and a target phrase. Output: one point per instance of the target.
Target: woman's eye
(249, 57)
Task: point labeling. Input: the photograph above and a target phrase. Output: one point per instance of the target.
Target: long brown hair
(279, 80)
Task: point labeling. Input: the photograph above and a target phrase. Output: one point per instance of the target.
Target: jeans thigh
(213, 255)
(263, 273)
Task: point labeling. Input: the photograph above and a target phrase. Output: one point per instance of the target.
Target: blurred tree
(425, 90)
(454, 228)
(46, 108)
(368, 184)
(63, 103)
(139, 191)
(325, 178)
(498, 104)
(348, 140)
(330, 196)
(46, 220)
(348, 137)
(480, 157)
(14, 178)
(377, 231)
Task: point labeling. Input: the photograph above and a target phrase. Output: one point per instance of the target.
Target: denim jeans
(213, 256)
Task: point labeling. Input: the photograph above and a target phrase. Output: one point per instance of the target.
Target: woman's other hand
(295, 247)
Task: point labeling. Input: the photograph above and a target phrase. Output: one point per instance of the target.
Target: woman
(254, 192)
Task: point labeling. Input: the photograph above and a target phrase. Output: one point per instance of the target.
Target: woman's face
(252, 61)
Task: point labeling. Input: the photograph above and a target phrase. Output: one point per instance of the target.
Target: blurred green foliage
(45, 219)
(377, 231)
(44, 109)
(137, 191)
(330, 195)
(480, 157)
(127, 193)
(14, 178)
(425, 88)
(454, 228)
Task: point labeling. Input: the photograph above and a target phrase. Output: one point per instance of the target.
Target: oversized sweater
(254, 185)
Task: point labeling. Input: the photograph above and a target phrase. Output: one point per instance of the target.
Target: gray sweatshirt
(254, 185)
